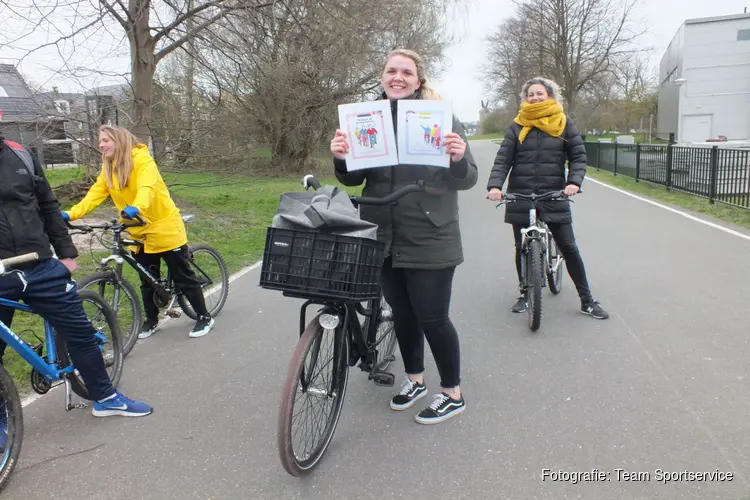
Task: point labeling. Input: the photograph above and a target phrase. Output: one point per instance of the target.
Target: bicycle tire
(385, 340)
(14, 414)
(314, 332)
(129, 337)
(535, 280)
(554, 278)
(215, 309)
(114, 368)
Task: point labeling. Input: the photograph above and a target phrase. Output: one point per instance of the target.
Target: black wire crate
(321, 265)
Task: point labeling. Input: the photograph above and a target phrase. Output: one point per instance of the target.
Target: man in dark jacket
(30, 221)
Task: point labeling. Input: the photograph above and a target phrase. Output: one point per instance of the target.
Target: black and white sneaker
(148, 328)
(202, 326)
(410, 392)
(594, 310)
(441, 409)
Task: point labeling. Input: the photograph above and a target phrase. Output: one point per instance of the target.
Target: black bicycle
(109, 281)
(339, 273)
(540, 255)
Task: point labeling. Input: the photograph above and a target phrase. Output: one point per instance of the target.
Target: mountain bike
(109, 281)
(540, 255)
(338, 273)
(50, 363)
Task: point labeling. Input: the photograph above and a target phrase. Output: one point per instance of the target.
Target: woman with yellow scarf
(532, 156)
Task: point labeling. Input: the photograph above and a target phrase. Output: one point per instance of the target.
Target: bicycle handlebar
(558, 195)
(18, 259)
(113, 224)
(309, 181)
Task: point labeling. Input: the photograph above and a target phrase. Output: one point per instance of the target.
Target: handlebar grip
(20, 259)
(309, 181)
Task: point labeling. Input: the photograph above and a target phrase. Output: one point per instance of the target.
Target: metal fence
(719, 174)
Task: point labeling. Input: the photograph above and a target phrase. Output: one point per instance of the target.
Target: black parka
(537, 166)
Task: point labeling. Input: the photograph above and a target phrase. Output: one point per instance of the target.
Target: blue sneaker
(119, 405)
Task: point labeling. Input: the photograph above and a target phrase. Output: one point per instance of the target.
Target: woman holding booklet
(423, 243)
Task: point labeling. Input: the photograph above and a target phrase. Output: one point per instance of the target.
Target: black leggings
(182, 273)
(420, 300)
(566, 241)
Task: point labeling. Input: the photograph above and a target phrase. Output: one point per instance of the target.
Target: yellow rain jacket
(164, 229)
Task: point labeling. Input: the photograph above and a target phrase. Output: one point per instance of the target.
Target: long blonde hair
(427, 91)
(121, 163)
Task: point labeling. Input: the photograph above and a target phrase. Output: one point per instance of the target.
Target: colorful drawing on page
(369, 129)
(422, 125)
(424, 133)
(366, 132)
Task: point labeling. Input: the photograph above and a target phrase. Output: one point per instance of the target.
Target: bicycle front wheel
(108, 336)
(124, 301)
(535, 279)
(312, 397)
(211, 270)
(11, 427)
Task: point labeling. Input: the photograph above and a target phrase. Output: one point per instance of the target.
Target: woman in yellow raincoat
(131, 178)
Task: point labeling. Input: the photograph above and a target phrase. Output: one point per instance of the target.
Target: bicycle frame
(348, 314)
(537, 228)
(48, 369)
(166, 293)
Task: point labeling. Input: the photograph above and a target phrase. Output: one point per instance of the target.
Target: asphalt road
(661, 385)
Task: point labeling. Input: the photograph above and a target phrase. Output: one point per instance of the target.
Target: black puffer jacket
(30, 217)
(538, 166)
(421, 231)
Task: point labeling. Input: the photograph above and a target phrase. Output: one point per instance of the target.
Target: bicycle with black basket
(339, 273)
(50, 363)
(166, 293)
(540, 255)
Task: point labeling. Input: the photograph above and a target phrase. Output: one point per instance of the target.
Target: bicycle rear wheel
(385, 339)
(210, 268)
(108, 332)
(535, 279)
(11, 427)
(556, 262)
(124, 301)
(316, 377)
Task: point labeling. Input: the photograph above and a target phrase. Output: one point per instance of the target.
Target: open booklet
(372, 140)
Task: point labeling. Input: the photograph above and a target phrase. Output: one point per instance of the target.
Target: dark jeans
(182, 273)
(566, 241)
(420, 300)
(53, 296)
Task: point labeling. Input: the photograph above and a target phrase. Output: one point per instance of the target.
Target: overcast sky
(460, 82)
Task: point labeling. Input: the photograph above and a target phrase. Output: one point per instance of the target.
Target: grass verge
(677, 199)
(232, 214)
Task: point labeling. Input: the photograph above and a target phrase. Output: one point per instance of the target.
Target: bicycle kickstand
(69, 398)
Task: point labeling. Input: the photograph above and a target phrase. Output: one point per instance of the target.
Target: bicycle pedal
(174, 313)
(384, 379)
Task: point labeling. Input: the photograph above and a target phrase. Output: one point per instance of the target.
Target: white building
(704, 80)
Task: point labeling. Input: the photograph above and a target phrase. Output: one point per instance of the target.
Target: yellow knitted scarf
(547, 116)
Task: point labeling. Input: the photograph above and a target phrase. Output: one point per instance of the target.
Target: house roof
(732, 17)
(19, 105)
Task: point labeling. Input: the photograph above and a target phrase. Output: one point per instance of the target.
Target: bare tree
(285, 71)
(153, 29)
(573, 42)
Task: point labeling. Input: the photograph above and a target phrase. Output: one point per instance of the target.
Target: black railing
(719, 174)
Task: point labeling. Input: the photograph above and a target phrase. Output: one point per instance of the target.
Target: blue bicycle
(49, 365)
